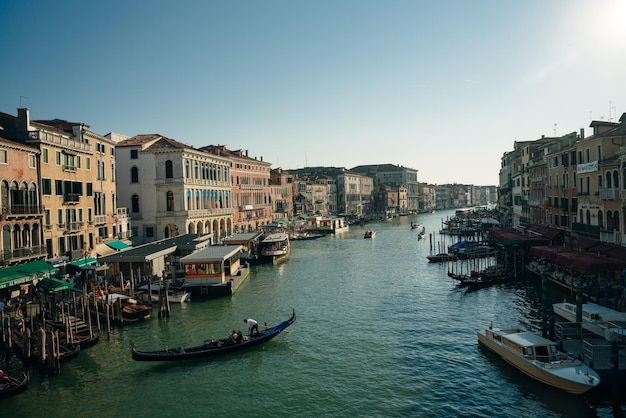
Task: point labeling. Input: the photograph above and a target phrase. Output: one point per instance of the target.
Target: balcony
(22, 254)
(71, 168)
(609, 194)
(612, 237)
(591, 231)
(71, 227)
(71, 198)
(16, 211)
(100, 219)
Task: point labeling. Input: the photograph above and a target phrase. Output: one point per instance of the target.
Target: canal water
(380, 333)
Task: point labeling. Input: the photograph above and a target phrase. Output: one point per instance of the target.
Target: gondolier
(252, 326)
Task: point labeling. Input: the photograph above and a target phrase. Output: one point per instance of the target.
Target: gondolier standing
(252, 326)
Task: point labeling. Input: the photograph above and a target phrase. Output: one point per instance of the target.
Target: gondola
(10, 385)
(211, 348)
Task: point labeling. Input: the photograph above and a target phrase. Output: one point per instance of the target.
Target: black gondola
(10, 385)
(211, 348)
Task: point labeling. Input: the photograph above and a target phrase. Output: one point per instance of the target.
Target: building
(281, 194)
(395, 175)
(173, 189)
(250, 188)
(20, 205)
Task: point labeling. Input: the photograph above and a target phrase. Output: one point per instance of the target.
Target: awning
(118, 245)
(12, 276)
(54, 285)
(84, 262)
(104, 250)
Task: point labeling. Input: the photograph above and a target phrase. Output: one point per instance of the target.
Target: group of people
(253, 329)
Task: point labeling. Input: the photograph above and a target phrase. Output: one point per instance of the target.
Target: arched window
(608, 180)
(170, 201)
(169, 169)
(135, 203)
(616, 179)
(196, 172)
(187, 170)
(134, 175)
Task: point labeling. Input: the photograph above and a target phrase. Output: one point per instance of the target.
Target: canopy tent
(118, 245)
(23, 273)
(52, 285)
(84, 262)
(579, 261)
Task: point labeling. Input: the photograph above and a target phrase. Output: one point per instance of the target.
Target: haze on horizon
(444, 87)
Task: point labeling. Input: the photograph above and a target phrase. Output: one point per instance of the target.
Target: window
(3, 157)
(58, 187)
(89, 189)
(44, 155)
(134, 154)
(169, 170)
(58, 157)
(88, 163)
(46, 186)
(135, 203)
(170, 201)
(149, 232)
(31, 161)
(134, 175)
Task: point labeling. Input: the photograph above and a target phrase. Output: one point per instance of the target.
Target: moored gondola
(10, 385)
(211, 348)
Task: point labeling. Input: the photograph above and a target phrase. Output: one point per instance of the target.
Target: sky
(442, 86)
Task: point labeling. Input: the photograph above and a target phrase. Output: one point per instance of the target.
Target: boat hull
(211, 348)
(576, 379)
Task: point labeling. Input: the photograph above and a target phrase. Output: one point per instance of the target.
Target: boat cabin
(213, 265)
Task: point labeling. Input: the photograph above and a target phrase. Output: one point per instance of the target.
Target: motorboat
(275, 247)
(174, 294)
(369, 234)
(601, 320)
(540, 359)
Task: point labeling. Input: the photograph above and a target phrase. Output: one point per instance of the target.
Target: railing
(71, 198)
(69, 168)
(71, 226)
(21, 253)
(588, 230)
(22, 210)
(609, 194)
(52, 138)
(612, 237)
(100, 219)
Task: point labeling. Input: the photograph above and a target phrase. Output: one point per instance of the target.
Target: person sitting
(239, 337)
(232, 336)
(252, 326)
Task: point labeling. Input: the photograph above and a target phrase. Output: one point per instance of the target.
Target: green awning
(118, 245)
(23, 273)
(84, 262)
(54, 285)
(281, 221)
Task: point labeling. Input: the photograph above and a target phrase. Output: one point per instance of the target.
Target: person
(239, 337)
(252, 326)
(232, 336)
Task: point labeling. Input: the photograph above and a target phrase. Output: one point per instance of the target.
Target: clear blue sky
(444, 87)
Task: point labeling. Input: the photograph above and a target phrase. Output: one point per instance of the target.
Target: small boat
(540, 359)
(10, 386)
(174, 294)
(132, 309)
(275, 247)
(441, 257)
(211, 348)
(369, 234)
(605, 322)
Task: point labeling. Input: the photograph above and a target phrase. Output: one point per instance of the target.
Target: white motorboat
(275, 247)
(540, 359)
(174, 295)
(605, 322)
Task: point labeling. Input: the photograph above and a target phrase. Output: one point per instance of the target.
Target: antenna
(610, 118)
(555, 129)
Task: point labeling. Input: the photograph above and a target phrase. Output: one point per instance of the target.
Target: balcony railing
(22, 210)
(100, 219)
(22, 253)
(609, 194)
(71, 198)
(592, 231)
(69, 227)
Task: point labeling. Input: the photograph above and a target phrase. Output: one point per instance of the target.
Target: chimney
(23, 123)
(246, 153)
(582, 133)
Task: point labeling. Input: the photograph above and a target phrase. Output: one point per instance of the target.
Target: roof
(52, 285)
(579, 261)
(118, 245)
(527, 339)
(212, 254)
(155, 249)
(243, 237)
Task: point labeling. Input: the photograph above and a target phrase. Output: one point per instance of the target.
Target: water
(380, 333)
